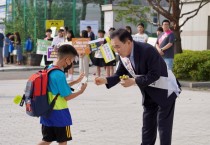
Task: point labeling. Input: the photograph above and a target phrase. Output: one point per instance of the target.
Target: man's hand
(128, 82)
(100, 81)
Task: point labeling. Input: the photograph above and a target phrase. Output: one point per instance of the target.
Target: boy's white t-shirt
(143, 37)
(57, 40)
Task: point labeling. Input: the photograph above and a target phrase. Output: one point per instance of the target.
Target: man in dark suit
(149, 67)
(91, 35)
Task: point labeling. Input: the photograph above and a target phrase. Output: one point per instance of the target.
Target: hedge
(192, 65)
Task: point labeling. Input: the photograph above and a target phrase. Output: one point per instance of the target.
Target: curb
(20, 69)
(10, 69)
(195, 84)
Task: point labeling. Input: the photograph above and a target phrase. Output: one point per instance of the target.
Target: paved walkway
(106, 117)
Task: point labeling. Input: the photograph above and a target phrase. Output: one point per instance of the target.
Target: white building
(2, 14)
(196, 32)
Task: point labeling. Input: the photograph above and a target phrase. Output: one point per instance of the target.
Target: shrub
(192, 65)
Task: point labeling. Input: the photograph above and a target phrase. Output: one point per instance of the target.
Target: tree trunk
(178, 42)
(84, 7)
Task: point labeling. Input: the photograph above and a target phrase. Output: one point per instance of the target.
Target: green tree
(173, 13)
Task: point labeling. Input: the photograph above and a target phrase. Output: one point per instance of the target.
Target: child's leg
(98, 71)
(111, 70)
(44, 143)
(63, 143)
(107, 71)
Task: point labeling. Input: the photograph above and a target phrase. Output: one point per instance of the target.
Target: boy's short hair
(65, 50)
(160, 29)
(49, 30)
(141, 24)
(89, 27)
(122, 34)
(101, 31)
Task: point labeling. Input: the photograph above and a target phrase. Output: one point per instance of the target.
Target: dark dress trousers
(158, 106)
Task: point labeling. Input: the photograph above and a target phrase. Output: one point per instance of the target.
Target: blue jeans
(169, 62)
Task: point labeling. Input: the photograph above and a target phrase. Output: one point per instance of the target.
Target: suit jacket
(151, 65)
(92, 36)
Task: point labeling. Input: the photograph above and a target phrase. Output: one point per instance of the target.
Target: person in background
(58, 39)
(1, 49)
(128, 28)
(69, 36)
(143, 36)
(165, 44)
(83, 58)
(12, 40)
(110, 66)
(99, 60)
(159, 31)
(48, 38)
(91, 35)
(18, 48)
(6, 48)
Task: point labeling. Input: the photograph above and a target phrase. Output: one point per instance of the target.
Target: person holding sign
(83, 58)
(110, 65)
(141, 65)
(143, 37)
(48, 37)
(58, 39)
(99, 61)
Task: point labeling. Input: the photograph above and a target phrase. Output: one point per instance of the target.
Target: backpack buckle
(22, 101)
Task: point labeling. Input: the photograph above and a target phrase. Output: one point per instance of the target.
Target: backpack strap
(55, 68)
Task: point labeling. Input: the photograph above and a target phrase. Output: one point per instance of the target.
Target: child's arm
(77, 80)
(74, 95)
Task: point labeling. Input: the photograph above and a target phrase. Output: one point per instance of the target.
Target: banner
(95, 44)
(152, 41)
(81, 45)
(51, 54)
(54, 23)
(42, 46)
(93, 24)
(107, 53)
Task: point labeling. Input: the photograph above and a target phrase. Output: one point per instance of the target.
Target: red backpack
(36, 95)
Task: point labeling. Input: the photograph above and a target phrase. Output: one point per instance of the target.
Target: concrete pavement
(106, 117)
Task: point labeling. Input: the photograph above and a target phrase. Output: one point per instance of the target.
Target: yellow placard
(54, 23)
(107, 53)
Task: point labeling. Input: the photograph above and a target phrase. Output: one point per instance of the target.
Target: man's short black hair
(65, 50)
(122, 34)
(49, 30)
(89, 27)
(167, 21)
(141, 24)
(101, 31)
